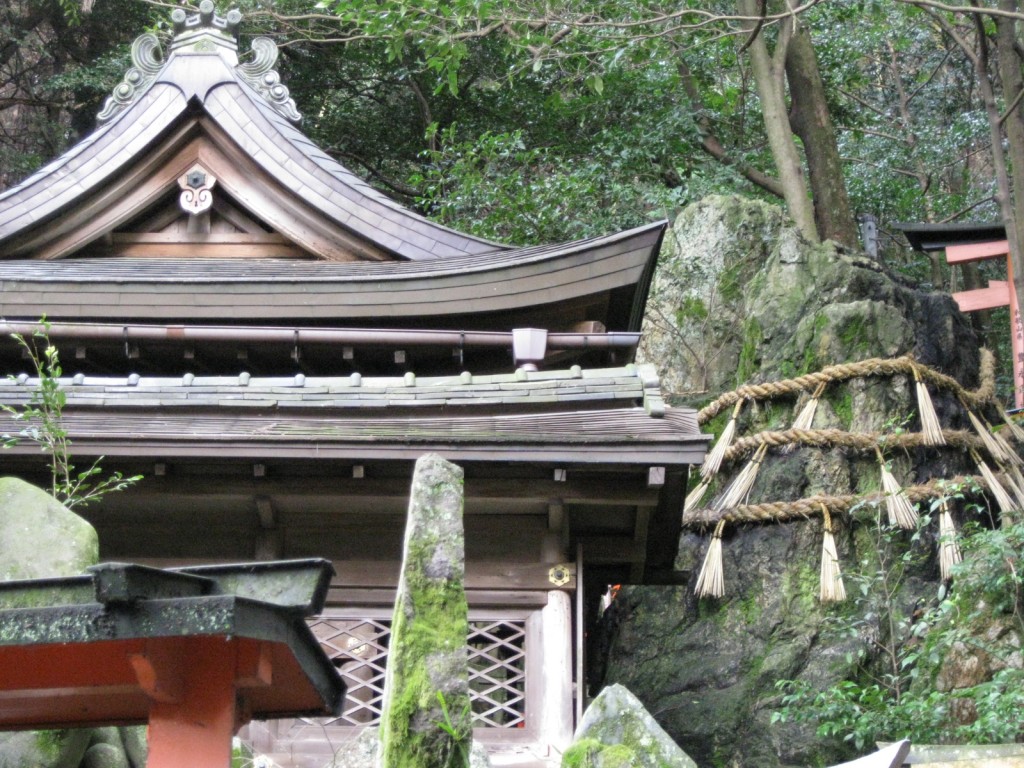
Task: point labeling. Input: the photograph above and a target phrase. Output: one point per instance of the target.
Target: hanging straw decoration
(1016, 482)
(931, 429)
(1015, 429)
(995, 449)
(832, 589)
(739, 489)
(713, 461)
(694, 497)
(949, 550)
(897, 504)
(805, 418)
(1003, 501)
(711, 581)
(1013, 458)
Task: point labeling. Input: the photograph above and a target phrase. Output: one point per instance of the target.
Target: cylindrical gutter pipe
(296, 336)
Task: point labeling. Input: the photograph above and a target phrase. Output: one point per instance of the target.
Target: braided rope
(838, 438)
(812, 506)
(875, 366)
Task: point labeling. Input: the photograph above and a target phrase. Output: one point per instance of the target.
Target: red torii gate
(1000, 293)
(965, 243)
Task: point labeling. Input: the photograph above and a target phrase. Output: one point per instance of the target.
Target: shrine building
(272, 343)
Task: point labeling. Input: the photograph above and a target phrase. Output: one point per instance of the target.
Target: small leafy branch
(41, 420)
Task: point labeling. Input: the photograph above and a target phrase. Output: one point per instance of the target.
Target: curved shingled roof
(201, 89)
(303, 238)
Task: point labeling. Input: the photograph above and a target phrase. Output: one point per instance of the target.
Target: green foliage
(459, 733)
(896, 692)
(40, 421)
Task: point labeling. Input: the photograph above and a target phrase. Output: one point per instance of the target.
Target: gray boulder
(39, 537)
(105, 755)
(618, 732)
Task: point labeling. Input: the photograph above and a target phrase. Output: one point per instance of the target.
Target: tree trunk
(1013, 84)
(768, 74)
(810, 118)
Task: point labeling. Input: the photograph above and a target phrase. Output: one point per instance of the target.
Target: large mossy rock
(617, 732)
(739, 298)
(40, 538)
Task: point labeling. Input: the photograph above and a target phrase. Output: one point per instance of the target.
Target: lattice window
(359, 648)
(497, 668)
(497, 673)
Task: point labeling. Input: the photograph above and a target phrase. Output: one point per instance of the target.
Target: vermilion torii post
(194, 652)
(998, 294)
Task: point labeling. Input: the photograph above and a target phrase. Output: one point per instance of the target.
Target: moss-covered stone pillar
(426, 721)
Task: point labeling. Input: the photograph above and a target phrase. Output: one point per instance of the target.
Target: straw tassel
(1003, 501)
(694, 497)
(711, 581)
(931, 429)
(1016, 483)
(897, 504)
(805, 418)
(713, 461)
(739, 489)
(1015, 429)
(1013, 458)
(995, 449)
(832, 589)
(949, 550)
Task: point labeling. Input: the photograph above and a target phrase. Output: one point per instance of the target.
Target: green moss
(801, 587)
(749, 608)
(692, 309)
(581, 754)
(427, 635)
(852, 334)
(749, 360)
(842, 405)
(730, 283)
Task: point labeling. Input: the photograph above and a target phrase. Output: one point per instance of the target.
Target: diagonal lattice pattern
(497, 668)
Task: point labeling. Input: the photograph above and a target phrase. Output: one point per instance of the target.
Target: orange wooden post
(998, 294)
(193, 692)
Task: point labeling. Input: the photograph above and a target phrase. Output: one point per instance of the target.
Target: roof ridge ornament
(206, 20)
(264, 79)
(146, 56)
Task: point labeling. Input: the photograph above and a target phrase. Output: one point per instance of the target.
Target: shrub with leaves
(907, 683)
(41, 420)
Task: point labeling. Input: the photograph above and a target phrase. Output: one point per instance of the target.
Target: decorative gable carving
(196, 190)
(147, 61)
(203, 33)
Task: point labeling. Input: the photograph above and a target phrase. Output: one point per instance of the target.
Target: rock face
(40, 537)
(617, 732)
(426, 717)
(742, 298)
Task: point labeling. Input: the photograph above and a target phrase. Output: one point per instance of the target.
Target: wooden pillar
(192, 688)
(555, 716)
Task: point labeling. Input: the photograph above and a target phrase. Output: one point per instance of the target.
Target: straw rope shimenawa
(899, 501)
(807, 508)
(875, 366)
